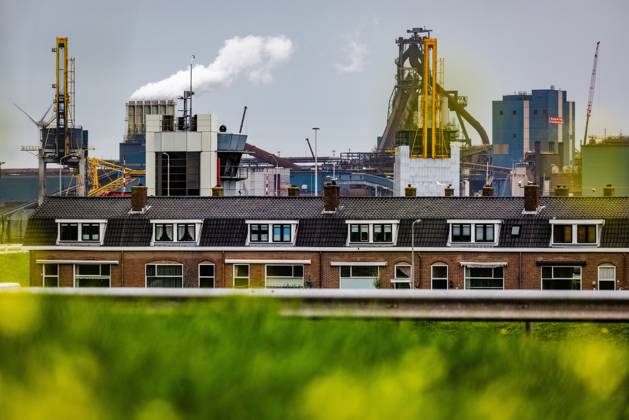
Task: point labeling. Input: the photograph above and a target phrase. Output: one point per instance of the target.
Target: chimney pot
(531, 197)
(608, 190)
(293, 191)
(331, 193)
(562, 191)
(218, 191)
(449, 191)
(139, 198)
(410, 191)
(488, 191)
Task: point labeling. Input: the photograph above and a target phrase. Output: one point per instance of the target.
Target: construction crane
(103, 169)
(591, 94)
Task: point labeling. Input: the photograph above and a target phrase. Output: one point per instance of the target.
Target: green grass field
(237, 359)
(14, 268)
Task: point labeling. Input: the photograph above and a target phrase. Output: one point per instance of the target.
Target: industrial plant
(425, 145)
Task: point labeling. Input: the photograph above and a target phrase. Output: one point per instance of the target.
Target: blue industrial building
(521, 120)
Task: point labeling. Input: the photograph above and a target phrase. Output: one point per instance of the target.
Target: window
(164, 275)
(606, 277)
(280, 275)
(186, 232)
(69, 232)
(383, 233)
(515, 112)
(241, 276)
(535, 112)
(282, 233)
(484, 278)
(90, 232)
(258, 233)
(562, 234)
(92, 275)
(402, 278)
(515, 230)
(500, 112)
(515, 135)
(439, 276)
(561, 278)
(50, 275)
(206, 275)
(586, 234)
(359, 277)
(461, 232)
(163, 232)
(359, 233)
(484, 233)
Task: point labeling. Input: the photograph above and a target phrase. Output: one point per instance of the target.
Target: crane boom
(591, 93)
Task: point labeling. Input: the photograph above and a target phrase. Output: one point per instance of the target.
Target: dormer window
(374, 232)
(268, 232)
(88, 231)
(576, 232)
(474, 231)
(170, 231)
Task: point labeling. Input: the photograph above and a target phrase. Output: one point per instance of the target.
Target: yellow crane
(100, 167)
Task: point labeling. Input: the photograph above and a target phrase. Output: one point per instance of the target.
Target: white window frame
(80, 222)
(76, 277)
(394, 231)
(44, 275)
(575, 223)
(293, 231)
(198, 225)
(248, 276)
(466, 277)
(473, 222)
(598, 283)
(293, 277)
(541, 275)
(447, 278)
(351, 276)
(199, 276)
(400, 280)
(156, 263)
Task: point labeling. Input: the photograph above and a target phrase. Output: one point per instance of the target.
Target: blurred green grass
(237, 359)
(14, 268)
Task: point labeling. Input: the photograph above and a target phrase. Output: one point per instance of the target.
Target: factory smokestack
(252, 56)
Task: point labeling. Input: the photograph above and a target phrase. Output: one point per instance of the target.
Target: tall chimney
(488, 191)
(531, 197)
(562, 191)
(293, 191)
(560, 151)
(608, 190)
(449, 191)
(410, 191)
(139, 198)
(331, 197)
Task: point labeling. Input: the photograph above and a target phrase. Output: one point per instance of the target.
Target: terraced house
(529, 242)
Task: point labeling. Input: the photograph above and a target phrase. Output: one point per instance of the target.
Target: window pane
(439, 272)
(186, 232)
(364, 233)
(298, 271)
(607, 273)
(586, 234)
(206, 270)
(564, 272)
(51, 281)
(105, 269)
(277, 233)
(206, 282)
(163, 232)
(69, 232)
(88, 269)
(51, 269)
(489, 233)
(92, 282)
(170, 282)
(466, 229)
(404, 285)
(439, 284)
(90, 232)
(150, 270)
(345, 271)
(287, 233)
(480, 272)
(562, 234)
(279, 270)
(241, 270)
(402, 271)
(480, 233)
(547, 272)
(169, 270)
(364, 271)
(606, 285)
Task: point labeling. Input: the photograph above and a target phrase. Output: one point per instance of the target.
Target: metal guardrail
(11, 248)
(516, 305)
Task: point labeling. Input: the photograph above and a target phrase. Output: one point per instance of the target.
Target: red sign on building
(555, 120)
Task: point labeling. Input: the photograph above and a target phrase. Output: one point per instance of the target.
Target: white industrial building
(428, 175)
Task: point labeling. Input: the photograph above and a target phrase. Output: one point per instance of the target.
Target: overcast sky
(339, 76)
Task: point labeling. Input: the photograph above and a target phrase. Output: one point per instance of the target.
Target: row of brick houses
(530, 242)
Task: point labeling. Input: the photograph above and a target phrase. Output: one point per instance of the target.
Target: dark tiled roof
(40, 231)
(128, 232)
(224, 217)
(223, 232)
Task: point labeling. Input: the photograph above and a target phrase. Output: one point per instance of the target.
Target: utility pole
(1, 163)
(316, 185)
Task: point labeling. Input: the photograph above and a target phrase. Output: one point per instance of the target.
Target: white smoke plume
(252, 56)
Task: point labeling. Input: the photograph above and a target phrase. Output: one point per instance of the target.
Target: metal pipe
(316, 183)
(413, 252)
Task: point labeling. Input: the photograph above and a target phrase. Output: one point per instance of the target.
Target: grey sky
(490, 48)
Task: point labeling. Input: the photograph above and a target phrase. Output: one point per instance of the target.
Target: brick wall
(521, 271)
